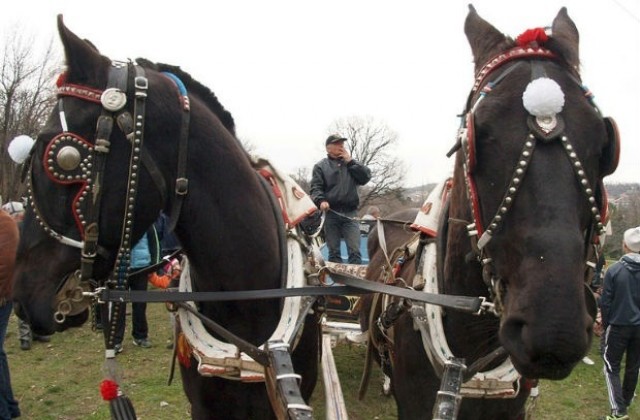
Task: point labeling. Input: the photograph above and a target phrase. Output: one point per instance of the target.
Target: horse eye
(68, 158)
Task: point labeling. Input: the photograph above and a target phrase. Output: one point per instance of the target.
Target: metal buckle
(141, 82)
(182, 186)
(486, 306)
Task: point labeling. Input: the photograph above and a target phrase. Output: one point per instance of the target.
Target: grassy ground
(60, 380)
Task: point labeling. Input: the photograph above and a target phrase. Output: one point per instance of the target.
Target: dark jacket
(168, 241)
(337, 183)
(8, 247)
(620, 301)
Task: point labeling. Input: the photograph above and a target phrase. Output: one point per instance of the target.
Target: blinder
(611, 153)
(68, 161)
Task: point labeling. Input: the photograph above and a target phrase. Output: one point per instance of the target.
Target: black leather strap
(352, 286)
(182, 183)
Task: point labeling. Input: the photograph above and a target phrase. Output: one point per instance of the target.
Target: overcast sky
(288, 69)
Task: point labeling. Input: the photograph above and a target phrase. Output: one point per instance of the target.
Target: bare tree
(371, 143)
(625, 214)
(26, 98)
(303, 178)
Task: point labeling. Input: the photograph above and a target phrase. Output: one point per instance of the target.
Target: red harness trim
(82, 182)
(505, 57)
(78, 91)
(276, 191)
(475, 204)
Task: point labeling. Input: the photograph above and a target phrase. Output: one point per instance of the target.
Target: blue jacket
(620, 301)
(140, 254)
(337, 183)
(146, 251)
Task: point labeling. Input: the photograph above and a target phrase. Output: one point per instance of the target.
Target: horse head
(528, 178)
(98, 177)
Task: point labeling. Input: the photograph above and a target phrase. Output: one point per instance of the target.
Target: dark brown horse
(524, 211)
(125, 141)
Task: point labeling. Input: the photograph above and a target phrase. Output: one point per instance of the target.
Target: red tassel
(108, 389)
(62, 79)
(537, 35)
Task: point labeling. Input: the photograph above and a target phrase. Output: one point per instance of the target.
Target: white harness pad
(496, 383)
(296, 205)
(428, 217)
(217, 358)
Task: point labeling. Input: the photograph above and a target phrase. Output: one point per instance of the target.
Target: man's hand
(345, 155)
(324, 206)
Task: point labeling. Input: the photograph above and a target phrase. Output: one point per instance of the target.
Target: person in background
(145, 253)
(334, 189)
(8, 245)
(169, 274)
(26, 336)
(620, 307)
(369, 220)
(169, 243)
(165, 277)
(373, 213)
(598, 276)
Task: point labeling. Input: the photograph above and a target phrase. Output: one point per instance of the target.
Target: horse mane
(192, 85)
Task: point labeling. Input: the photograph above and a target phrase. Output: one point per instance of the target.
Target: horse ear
(483, 38)
(565, 36)
(83, 59)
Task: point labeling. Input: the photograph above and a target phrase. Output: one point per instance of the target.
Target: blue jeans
(338, 226)
(8, 404)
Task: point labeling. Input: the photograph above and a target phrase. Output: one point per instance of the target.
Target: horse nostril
(513, 334)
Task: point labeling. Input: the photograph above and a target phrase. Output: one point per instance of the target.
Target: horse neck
(228, 227)
(461, 273)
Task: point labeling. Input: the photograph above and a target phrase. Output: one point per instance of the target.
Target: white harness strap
(496, 383)
(217, 358)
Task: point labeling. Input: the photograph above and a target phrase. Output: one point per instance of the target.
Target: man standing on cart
(334, 189)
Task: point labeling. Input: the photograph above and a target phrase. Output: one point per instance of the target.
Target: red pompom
(108, 389)
(537, 35)
(62, 79)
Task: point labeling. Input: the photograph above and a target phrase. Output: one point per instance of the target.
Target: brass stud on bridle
(68, 158)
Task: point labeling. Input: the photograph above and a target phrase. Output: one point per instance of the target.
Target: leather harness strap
(352, 286)
(182, 183)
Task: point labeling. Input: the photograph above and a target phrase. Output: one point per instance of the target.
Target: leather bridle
(71, 159)
(541, 129)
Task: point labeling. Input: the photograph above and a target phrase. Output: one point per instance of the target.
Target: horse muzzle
(540, 351)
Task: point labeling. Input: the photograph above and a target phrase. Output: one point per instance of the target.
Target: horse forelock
(193, 86)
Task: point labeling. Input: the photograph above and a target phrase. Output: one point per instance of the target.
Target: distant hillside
(614, 190)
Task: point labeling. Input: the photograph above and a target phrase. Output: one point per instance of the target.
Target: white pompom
(20, 147)
(543, 97)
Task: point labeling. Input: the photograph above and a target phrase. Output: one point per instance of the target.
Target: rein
(352, 285)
